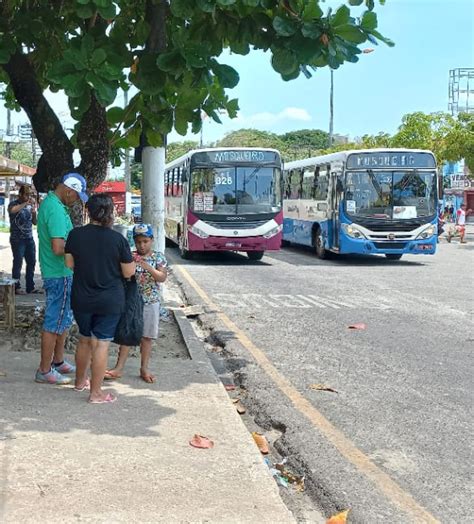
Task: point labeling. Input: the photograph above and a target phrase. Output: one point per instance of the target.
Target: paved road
(394, 443)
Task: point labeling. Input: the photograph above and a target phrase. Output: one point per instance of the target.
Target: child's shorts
(151, 320)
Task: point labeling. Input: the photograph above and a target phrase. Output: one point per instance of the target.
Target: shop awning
(13, 168)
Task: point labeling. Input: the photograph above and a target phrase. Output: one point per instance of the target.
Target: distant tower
(461, 90)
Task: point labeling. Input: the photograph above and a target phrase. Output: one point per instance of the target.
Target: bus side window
(316, 181)
(321, 187)
(287, 184)
(307, 184)
(167, 184)
(295, 181)
(180, 182)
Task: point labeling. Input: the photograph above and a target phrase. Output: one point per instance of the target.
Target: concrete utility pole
(153, 192)
(153, 158)
(127, 174)
(331, 109)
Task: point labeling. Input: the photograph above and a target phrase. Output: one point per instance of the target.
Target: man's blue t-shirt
(21, 223)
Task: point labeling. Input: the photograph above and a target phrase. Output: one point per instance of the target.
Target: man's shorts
(58, 314)
(101, 327)
(151, 320)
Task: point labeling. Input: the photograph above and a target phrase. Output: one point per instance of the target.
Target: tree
(176, 149)
(306, 138)
(168, 51)
(251, 138)
(20, 152)
(450, 138)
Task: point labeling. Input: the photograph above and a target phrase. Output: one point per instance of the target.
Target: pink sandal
(109, 398)
(85, 386)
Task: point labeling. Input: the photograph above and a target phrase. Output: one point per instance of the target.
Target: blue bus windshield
(393, 195)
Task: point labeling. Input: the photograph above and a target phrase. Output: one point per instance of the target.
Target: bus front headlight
(427, 233)
(198, 232)
(273, 231)
(352, 231)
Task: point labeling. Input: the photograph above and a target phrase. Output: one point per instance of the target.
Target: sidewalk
(63, 460)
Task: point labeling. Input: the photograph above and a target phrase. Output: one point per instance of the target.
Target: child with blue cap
(150, 273)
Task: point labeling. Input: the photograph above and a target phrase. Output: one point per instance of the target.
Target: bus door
(337, 191)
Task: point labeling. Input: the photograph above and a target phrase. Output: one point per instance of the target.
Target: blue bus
(373, 201)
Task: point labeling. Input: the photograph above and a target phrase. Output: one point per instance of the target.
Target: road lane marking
(342, 443)
(259, 300)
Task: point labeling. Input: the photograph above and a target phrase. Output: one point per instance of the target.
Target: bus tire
(393, 256)
(318, 243)
(285, 243)
(255, 255)
(185, 253)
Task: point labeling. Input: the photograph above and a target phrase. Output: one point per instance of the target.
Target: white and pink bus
(225, 199)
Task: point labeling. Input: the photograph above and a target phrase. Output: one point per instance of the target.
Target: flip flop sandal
(84, 387)
(109, 398)
(36, 292)
(108, 376)
(20, 292)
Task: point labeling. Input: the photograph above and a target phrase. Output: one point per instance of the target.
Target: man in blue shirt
(22, 213)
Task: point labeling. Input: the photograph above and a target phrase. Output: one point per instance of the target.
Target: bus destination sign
(391, 159)
(241, 156)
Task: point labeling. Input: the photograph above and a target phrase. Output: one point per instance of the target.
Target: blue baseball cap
(143, 230)
(77, 183)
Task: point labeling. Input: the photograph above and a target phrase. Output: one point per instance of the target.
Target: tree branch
(57, 148)
(156, 14)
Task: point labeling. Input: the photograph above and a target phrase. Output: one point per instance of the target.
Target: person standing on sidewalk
(461, 214)
(151, 271)
(101, 259)
(54, 225)
(23, 215)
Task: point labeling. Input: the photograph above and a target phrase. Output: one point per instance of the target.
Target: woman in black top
(101, 259)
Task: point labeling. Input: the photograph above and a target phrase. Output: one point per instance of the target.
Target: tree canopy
(170, 53)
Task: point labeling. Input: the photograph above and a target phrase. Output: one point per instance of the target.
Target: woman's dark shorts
(101, 327)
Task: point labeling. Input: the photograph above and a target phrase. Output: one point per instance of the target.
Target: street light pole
(331, 109)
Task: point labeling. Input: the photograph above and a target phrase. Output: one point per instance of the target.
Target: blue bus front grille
(390, 245)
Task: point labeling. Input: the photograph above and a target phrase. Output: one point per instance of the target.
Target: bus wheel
(185, 253)
(393, 256)
(255, 255)
(321, 251)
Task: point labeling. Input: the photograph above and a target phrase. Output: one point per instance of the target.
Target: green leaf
(85, 11)
(102, 3)
(180, 122)
(382, 38)
(284, 62)
(251, 3)
(182, 8)
(87, 44)
(311, 30)
(143, 30)
(284, 26)
(232, 107)
(226, 2)
(205, 5)
(108, 12)
(82, 2)
(356, 2)
(154, 137)
(370, 4)
(312, 11)
(228, 76)
(115, 115)
(350, 33)
(369, 21)
(98, 56)
(341, 17)
(171, 61)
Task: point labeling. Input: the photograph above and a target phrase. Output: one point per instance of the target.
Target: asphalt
(64, 460)
(402, 411)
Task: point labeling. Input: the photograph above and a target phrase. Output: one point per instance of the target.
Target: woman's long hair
(101, 209)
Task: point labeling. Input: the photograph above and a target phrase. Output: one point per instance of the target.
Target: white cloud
(267, 118)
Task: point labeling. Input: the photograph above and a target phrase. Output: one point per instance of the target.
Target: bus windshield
(236, 190)
(390, 195)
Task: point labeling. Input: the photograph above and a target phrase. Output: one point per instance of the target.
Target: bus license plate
(233, 244)
(425, 247)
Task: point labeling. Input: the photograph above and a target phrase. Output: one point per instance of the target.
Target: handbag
(129, 330)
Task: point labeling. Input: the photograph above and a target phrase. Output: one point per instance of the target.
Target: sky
(431, 37)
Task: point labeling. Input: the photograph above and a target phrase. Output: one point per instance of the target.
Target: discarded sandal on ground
(261, 442)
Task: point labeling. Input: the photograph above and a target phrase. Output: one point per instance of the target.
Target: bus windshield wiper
(375, 183)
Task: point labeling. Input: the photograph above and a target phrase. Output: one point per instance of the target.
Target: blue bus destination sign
(395, 159)
(243, 156)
